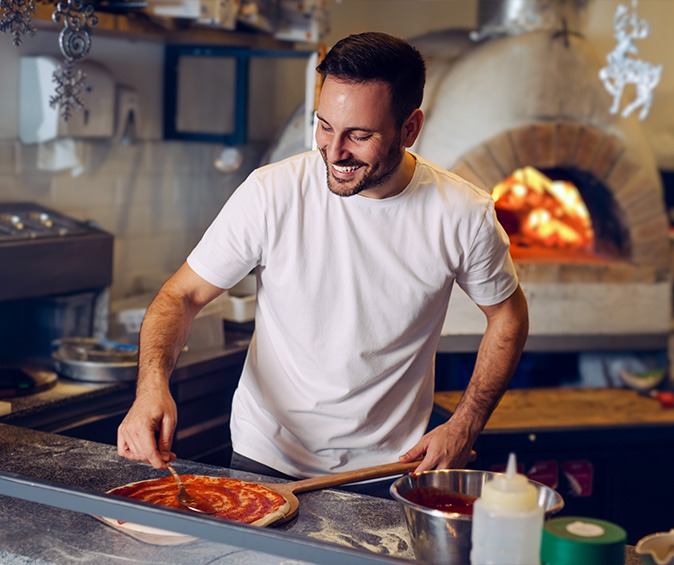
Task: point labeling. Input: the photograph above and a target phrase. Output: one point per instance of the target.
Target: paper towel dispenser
(39, 122)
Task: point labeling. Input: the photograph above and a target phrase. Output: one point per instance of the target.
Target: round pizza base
(159, 536)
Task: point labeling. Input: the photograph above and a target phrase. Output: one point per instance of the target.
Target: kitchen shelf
(141, 25)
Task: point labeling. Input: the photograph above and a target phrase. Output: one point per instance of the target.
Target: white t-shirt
(351, 298)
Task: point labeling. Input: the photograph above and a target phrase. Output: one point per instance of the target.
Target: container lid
(572, 540)
(510, 491)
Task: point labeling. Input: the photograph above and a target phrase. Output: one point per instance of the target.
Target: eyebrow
(355, 128)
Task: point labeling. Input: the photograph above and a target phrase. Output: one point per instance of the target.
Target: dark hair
(378, 56)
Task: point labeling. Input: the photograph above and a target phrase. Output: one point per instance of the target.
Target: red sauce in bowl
(438, 499)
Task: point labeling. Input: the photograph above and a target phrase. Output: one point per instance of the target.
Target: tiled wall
(155, 197)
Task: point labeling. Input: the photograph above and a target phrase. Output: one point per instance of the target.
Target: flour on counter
(389, 537)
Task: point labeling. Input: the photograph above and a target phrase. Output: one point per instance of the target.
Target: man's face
(358, 138)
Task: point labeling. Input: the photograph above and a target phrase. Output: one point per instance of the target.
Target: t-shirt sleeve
(488, 273)
(233, 244)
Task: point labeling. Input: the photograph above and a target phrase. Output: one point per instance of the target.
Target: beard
(375, 176)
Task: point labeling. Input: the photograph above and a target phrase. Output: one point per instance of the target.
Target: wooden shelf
(536, 409)
(145, 26)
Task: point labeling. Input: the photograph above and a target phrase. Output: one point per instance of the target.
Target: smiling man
(360, 142)
(356, 248)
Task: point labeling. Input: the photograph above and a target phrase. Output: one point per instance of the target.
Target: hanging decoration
(75, 43)
(15, 18)
(622, 70)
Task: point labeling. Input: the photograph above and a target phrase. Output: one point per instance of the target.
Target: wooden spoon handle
(386, 470)
(376, 472)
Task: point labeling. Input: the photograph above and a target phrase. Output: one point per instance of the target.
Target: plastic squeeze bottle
(507, 521)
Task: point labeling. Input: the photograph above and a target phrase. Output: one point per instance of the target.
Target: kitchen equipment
(573, 540)
(193, 503)
(56, 276)
(91, 359)
(91, 349)
(507, 520)
(445, 537)
(657, 549)
(48, 253)
(39, 121)
(21, 381)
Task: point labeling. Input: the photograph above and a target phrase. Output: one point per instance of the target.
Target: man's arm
(449, 445)
(166, 327)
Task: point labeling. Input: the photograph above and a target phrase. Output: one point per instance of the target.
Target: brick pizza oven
(524, 91)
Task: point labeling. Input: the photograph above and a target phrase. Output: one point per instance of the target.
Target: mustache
(349, 163)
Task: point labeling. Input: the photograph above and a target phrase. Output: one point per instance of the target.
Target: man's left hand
(441, 448)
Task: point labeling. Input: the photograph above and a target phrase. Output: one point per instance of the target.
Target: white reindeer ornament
(623, 70)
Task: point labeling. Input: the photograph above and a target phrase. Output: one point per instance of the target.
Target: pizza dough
(233, 499)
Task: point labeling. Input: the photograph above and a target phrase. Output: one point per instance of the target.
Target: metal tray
(89, 359)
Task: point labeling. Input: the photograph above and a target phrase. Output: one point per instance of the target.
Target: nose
(334, 147)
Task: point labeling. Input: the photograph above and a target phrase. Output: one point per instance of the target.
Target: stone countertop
(41, 534)
(34, 533)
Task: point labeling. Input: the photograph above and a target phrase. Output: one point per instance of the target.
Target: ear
(412, 127)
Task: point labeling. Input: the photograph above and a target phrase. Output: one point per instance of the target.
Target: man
(355, 247)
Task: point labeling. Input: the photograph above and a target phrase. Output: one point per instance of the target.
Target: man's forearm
(497, 359)
(167, 325)
(164, 331)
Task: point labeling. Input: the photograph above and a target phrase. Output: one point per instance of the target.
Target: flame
(536, 210)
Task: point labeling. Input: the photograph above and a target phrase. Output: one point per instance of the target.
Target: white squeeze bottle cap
(511, 491)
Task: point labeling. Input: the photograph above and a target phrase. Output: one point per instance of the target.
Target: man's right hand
(153, 412)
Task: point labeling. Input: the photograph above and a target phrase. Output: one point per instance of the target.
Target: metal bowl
(440, 537)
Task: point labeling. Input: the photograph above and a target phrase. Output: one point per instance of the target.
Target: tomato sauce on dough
(232, 499)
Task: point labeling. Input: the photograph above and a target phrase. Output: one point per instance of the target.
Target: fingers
(440, 449)
(138, 445)
(166, 435)
(167, 456)
(415, 453)
(151, 415)
(136, 439)
(429, 463)
(157, 460)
